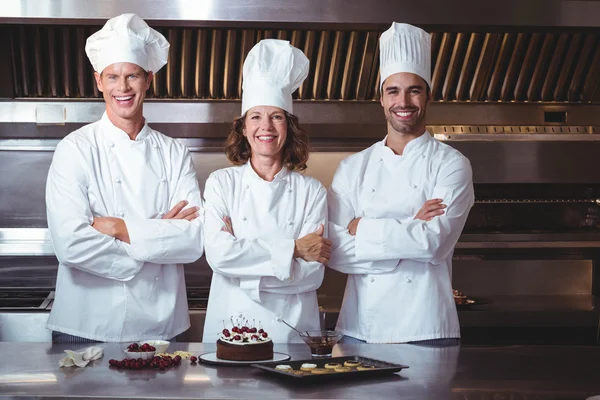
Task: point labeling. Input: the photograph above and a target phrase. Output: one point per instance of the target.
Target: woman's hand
(353, 226)
(228, 225)
(313, 247)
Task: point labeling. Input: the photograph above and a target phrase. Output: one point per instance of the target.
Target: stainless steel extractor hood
(498, 68)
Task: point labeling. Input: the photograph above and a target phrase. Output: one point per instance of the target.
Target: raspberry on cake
(244, 344)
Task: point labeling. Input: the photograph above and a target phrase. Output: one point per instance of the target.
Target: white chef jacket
(399, 285)
(255, 274)
(106, 289)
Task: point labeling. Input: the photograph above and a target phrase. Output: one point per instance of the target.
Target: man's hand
(353, 226)
(178, 212)
(111, 226)
(313, 247)
(228, 225)
(431, 208)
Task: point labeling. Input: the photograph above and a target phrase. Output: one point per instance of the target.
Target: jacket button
(121, 214)
(118, 180)
(408, 280)
(372, 280)
(111, 145)
(243, 218)
(163, 180)
(414, 186)
(373, 190)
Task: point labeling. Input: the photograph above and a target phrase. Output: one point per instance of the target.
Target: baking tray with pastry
(351, 367)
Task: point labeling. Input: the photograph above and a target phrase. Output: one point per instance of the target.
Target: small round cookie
(343, 369)
(320, 371)
(308, 367)
(283, 367)
(351, 363)
(333, 365)
(365, 367)
(297, 372)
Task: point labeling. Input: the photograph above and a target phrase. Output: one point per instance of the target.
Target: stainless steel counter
(31, 370)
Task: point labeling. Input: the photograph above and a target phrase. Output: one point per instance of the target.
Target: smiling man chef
(122, 202)
(396, 211)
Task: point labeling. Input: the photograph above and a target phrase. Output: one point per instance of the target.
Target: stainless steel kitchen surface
(454, 372)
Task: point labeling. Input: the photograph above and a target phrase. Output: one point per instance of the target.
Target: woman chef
(264, 221)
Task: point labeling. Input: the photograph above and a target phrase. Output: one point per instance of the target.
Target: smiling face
(266, 131)
(123, 86)
(404, 100)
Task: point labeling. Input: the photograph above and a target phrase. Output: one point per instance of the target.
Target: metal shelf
(534, 311)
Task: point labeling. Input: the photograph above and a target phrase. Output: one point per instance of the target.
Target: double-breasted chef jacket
(256, 277)
(399, 286)
(106, 289)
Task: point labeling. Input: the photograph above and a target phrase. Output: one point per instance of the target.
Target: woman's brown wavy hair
(294, 152)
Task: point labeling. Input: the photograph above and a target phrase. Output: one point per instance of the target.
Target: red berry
(237, 337)
(252, 330)
(254, 337)
(226, 333)
(235, 329)
(193, 359)
(245, 329)
(264, 334)
(260, 330)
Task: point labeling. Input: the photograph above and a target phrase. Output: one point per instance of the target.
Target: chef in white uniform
(122, 202)
(264, 220)
(397, 209)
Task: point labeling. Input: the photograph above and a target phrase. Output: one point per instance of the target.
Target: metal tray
(381, 368)
(472, 302)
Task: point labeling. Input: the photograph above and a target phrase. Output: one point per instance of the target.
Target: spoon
(279, 319)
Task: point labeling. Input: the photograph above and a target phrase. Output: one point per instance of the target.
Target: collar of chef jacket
(250, 176)
(114, 134)
(414, 147)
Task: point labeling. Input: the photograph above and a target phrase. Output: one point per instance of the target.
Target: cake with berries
(244, 344)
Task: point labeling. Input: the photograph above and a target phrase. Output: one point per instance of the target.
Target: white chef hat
(273, 70)
(127, 38)
(405, 48)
